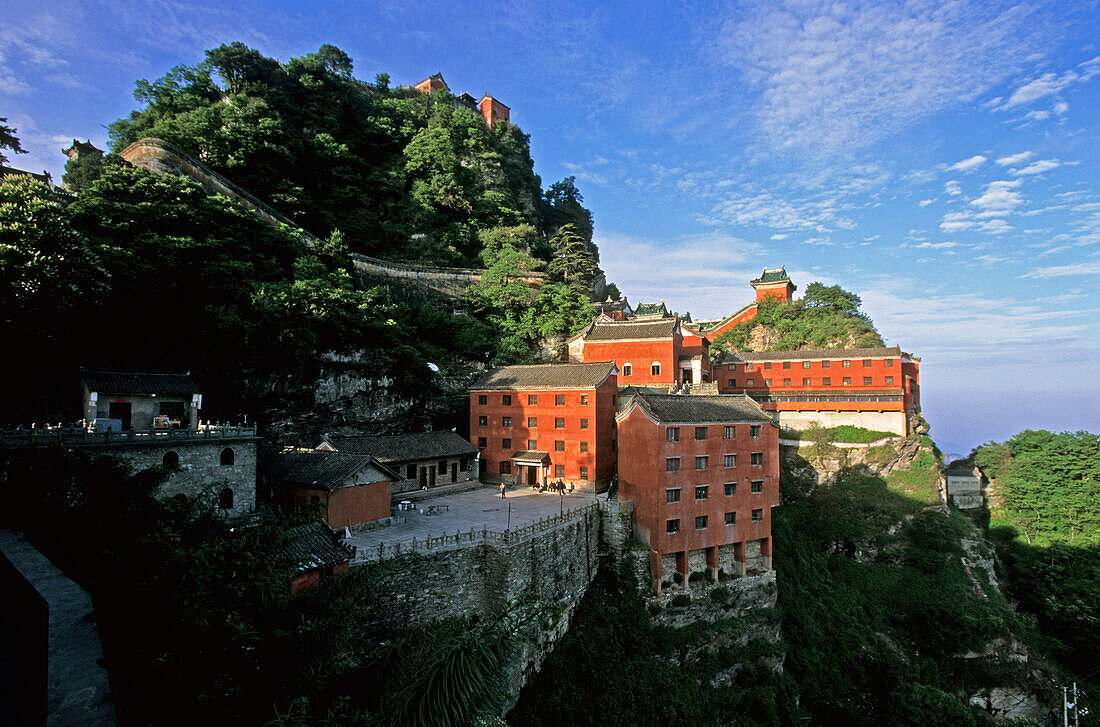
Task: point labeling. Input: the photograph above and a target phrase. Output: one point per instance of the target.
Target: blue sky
(938, 158)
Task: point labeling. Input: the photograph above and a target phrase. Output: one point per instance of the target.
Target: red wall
(747, 314)
(345, 507)
(600, 435)
(643, 479)
(640, 355)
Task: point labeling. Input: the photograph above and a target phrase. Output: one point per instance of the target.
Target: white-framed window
(655, 368)
(627, 369)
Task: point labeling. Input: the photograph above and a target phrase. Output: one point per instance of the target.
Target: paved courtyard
(477, 509)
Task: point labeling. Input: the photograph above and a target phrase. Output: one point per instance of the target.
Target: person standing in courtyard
(502, 489)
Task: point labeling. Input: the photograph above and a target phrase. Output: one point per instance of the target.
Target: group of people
(559, 487)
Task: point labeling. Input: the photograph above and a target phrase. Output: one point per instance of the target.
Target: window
(757, 459)
(584, 446)
(866, 362)
(584, 423)
(768, 365)
(846, 363)
(889, 379)
(731, 367)
(170, 459)
(227, 454)
(225, 499)
(730, 460)
(506, 443)
(767, 382)
(786, 364)
(866, 380)
(505, 467)
(826, 381)
(672, 434)
(506, 399)
(584, 472)
(483, 421)
(731, 489)
(700, 433)
(559, 445)
(786, 382)
(533, 422)
(731, 518)
(847, 380)
(672, 494)
(655, 369)
(729, 432)
(672, 464)
(889, 362)
(559, 399)
(701, 462)
(701, 492)
(748, 367)
(410, 470)
(756, 487)
(506, 421)
(482, 399)
(806, 382)
(482, 443)
(806, 364)
(754, 431)
(464, 465)
(532, 445)
(559, 423)
(750, 382)
(824, 364)
(627, 369)
(532, 398)
(672, 526)
(701, 522)
(584, 399)
(559, 470)
(732, 383)
(757, 515)
(442, 464)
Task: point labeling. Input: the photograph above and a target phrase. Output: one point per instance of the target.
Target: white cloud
(1000, 198)
(1013, 160)
(834, 77)
(925, 202)
(937, 245)
(968, 165)
(768, 210)
(952, 187)
(1050, 84)
(1061, 271)
(1043, 165)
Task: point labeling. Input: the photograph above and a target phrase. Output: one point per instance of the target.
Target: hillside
(825, 317)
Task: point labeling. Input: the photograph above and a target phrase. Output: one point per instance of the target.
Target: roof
(708, 326)
(546, 376)
(133, 382)
(649, 309)
(12, 171)
(632, 329)
(524, 456)
(324, 470)
(311, 545)
(496, 101)
(82, 147)
(963, 468)
(772, 276)
(697, 409)
(811, 353)
(404, 447)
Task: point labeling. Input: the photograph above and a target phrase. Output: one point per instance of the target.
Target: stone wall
(200, 469)
(879, 421)
(417, 282)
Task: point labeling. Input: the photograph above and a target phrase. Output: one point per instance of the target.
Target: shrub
(654, 608)
(680, 600)
(721, 595)
(699, 575)
(678, 577)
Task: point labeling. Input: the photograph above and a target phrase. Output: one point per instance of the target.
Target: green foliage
(922, 478)
(9, 140)
(574, 262)
(82, 171)
(720, 595)
(680, 600)
(841, 433)
(826, 317)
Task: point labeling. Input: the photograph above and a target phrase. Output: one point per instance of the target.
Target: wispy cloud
(1050, 84)
(1043, 165)
(751, 207)
(1091, 267)
(1013, 160)
(1000, 198)
(968, 165)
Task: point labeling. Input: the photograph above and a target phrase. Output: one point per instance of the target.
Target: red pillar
(739, 558)
(655, 570)
(766, 552)
(712, 563)
(682, 566)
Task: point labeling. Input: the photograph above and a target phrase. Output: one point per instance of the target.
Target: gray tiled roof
(397, 448)
(546, 376)
(772, 276)
(526, 456)
(810, 354)
(131, 382)
(632, 329)
(312, 545)
(689, 409)
(323, 470)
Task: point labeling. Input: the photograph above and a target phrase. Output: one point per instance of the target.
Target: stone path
(476, 509)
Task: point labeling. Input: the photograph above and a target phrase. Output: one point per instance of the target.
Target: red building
(875, 388)
(774, 284)
(646, 352)
(431, 84)
(493, 110)
(349, 490)
(546, 421)
(703, 473)
(315, 554)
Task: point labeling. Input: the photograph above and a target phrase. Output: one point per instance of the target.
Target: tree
(574, 262)
(8, 140)
(832, 298)
(82, 171)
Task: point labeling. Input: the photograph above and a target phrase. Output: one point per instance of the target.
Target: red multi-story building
(703, 473)
(546, 421)
(875, 388)
(646, 352)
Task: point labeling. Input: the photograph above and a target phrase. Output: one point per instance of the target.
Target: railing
(74, 437)
(447, 541)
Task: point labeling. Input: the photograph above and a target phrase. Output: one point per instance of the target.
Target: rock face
(823, 462)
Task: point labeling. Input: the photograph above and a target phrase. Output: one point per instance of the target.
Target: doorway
(121, 410)
(454, 471)
(532, 475)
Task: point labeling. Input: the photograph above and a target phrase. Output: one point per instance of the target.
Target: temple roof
(131, 382)
(696, 409)
(396, 448)
(311, 545)
(772, 276)
(546, 376)
(811, 353)
(632, 329)
(325, 470)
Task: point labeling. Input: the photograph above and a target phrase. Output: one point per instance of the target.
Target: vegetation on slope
(825, 317)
